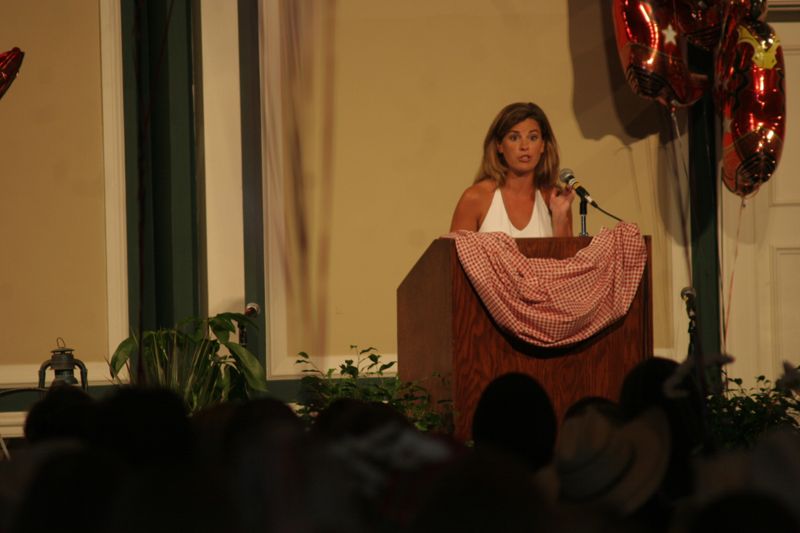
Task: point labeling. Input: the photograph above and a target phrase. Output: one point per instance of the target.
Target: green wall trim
(286, 390)
(23, 400)
(252, 193)
(162, 213)
(703, 182)
(18, 401)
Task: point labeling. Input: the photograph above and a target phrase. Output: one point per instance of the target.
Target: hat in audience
(772, 467)
(776, 466)
(617, 466)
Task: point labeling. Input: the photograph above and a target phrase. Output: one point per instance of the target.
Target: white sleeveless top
(497, 219)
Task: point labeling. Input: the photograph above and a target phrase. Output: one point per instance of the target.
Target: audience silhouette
(137, 461)
(514, 416)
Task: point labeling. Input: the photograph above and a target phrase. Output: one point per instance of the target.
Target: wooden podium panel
(444, 329)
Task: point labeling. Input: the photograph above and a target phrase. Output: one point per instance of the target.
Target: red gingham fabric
(555, 302)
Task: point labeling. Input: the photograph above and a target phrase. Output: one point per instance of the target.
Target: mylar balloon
(700, 21)
(653, 53)
(747, 9)
(751, 98)
(9, 66)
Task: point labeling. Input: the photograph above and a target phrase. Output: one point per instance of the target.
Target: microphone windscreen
(565, 174)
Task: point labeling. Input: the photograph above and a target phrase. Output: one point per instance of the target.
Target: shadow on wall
(604, 103)
(598, 79)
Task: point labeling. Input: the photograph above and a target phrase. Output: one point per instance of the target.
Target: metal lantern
(63, 363)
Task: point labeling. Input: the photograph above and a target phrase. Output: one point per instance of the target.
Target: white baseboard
(12, 424)
(27, 375)
(675, 354)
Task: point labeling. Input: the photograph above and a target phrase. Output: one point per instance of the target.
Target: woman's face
(522, 147)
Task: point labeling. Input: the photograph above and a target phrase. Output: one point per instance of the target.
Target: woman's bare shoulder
(472, 206)
(481, 191)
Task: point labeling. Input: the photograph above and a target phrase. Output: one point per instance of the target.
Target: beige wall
(52, 219)
(417, 84)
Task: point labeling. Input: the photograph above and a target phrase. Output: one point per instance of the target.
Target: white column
(222, 149)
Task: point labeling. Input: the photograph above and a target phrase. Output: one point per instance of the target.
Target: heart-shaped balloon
(9, 66)
(653, 52)
(751, 99)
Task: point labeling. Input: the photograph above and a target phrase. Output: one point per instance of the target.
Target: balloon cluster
(9, 66)
(653, 38)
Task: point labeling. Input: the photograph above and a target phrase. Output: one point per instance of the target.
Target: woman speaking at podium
(515, 190)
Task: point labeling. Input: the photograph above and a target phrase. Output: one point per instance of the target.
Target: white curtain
(297, 79)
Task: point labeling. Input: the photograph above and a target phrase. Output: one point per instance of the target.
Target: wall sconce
(63, 363)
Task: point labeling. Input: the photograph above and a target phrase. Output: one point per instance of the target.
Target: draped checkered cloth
(555, 302)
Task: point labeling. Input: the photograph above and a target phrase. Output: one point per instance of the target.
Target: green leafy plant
(188, 360)
(739, 415)
(363, 379)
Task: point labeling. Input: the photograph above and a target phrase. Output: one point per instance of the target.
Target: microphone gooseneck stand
(694, 354)
(583, 210)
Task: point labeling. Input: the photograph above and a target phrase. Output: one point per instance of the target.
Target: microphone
(688, 295)
(566, 177)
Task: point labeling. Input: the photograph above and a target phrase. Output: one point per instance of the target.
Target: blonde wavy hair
(493, 166)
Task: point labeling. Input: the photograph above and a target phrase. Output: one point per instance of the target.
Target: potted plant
(363, 379)
(189, 359)
(738, 416)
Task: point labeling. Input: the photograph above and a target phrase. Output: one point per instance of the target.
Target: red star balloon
(700, 21)
(9, 66)
(751, 98)
(653, 52)
(747, 9)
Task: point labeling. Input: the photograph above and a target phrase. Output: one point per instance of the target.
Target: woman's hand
(561, 211)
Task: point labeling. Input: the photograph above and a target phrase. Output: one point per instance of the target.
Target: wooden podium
(444, 329)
